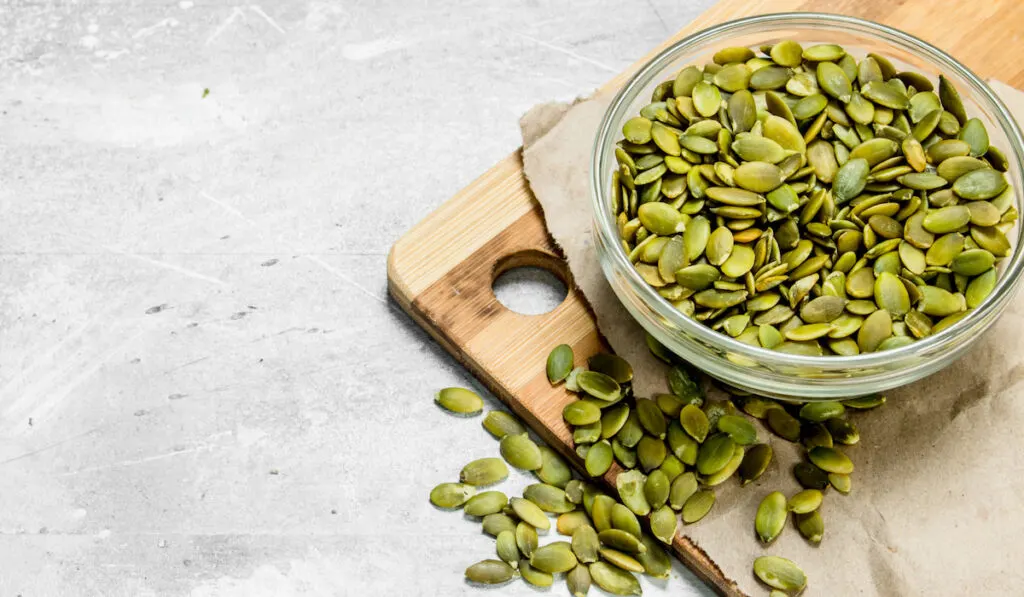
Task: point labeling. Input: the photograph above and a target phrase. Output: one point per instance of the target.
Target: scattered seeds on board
(829, 165)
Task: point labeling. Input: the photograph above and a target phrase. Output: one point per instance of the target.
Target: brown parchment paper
(937, 506)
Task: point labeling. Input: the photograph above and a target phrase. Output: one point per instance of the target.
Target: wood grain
(441, 272)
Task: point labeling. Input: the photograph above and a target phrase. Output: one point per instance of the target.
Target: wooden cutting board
(441, 271)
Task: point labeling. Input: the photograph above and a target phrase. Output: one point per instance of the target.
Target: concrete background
(204, 389)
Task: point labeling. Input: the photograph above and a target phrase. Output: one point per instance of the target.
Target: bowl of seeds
(809, 205)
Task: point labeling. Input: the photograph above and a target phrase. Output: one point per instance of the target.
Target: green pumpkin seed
(651, 418)
(991, 239)
(771, 517)
(578, 581)
(780, 573)
(526, 538)
(554, 558)
(485, 471)
(599, 386)
(655, 560)
(830, 460)
(494, 524)
(683, 486)
(805, 501)
(599, 458)
(980, 184)
(972, 262)
(824, 52)
(559, 363)
(755, 462)
(698, 506)
(530, 513)
(507, 549)
(460, 401)
(614, 580)
(650, 452)
(983, 213)
(891, 295)
(738, 428)
(581, 413)
(787, 53)
(886, 95)
(622, 540)
(733, 77)
(621, 560)
(656, 490)
(841, 483)
(875, 329)
(785, 133)
(947, 219)
(554, 469)
(784, 425)
(694, 422)
(810, 476)
(706, 99)
(844, 432)
(488, 502)
(490, 572)
(630, 486)
(451, 495)
(769, 77)
(810, 525)
(939, 303)
(714, 454)
(759, 177)
(585, 544)
(637, 130)
(979, 288)
(819, 412)
(521, 452)
(663, 525)
(611, 365)
(850, 180)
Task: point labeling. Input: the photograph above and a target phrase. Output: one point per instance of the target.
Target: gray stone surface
(204, 389)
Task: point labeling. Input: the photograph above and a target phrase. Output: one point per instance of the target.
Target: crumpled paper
(937, 506)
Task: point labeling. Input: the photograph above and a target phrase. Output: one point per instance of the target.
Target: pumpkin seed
(614, 580)
(451, 495)
(655, 560)
(810, 525)
(599, 386)
(698, 506)
(819, 412)
(520, 451)
(460, 401)
(810, 476)
(844, 432)
(780, 573)
(805, 501)
(630, 486)
(980, 184)
(578, 581)
(783, 424)
(494, 524)
(771, 517)
(830, 460)
(554, 558)
(585, 544)
(485, 471)
(488, 502)
(490, 572)
(554, 470)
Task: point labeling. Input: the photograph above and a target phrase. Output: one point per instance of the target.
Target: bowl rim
(604, 228)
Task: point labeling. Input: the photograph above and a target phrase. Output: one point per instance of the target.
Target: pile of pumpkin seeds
(804, 201)
(666, 454)
(663, 456)
(605, 544)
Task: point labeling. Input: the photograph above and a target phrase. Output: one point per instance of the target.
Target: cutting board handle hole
(530, 282)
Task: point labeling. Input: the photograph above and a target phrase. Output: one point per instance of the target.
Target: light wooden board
(442, 270)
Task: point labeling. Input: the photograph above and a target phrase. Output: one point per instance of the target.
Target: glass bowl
(761, 370)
